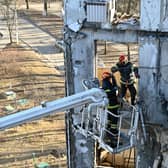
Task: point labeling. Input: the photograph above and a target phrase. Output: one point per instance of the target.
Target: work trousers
(112, 121)
(132, 91)
(111, 134)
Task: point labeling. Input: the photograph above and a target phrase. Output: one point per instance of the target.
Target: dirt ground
(24, 73)
(52, 23)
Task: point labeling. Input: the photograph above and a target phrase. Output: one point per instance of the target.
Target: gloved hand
(114, 69)
(137, 76)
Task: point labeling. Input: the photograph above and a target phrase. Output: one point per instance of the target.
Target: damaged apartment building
(90, 23)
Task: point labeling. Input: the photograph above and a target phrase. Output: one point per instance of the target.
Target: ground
(25, 73)
(33, 78)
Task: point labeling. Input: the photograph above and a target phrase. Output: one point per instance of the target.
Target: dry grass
(25, 73)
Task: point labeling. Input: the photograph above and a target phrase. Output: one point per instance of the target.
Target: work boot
(111, 142)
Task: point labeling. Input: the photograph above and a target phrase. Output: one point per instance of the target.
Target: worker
(110, 86)
(128, 73)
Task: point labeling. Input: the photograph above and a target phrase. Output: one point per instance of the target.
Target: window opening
(107, 54)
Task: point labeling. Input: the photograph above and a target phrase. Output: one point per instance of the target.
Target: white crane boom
(94, 95)
(93, 116)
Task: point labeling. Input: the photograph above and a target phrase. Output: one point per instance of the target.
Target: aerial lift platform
(93, 103)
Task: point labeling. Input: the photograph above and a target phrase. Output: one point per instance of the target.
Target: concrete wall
(82, 57)
(153, 61)
(164, 67)
(164, 79)
(154, 15)
(74, 10)
(83, 60)
(80, 65)
(164, 15)
(152, 87)
(150, 14)
(83, 67)
(153, 70)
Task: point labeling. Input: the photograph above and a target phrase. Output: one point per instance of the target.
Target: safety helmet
(122, 58)
(106, 75)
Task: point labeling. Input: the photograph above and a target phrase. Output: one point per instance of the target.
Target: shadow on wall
(48, 49)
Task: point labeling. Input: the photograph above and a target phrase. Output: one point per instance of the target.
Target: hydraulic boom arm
(93, 123)
(94, 95)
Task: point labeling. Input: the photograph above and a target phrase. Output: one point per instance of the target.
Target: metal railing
(92, 117)
(94, 124)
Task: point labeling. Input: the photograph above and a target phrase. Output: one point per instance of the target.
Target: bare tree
(27, 4)
(45, 8)
(129, 6)
(8, 9)
(8, 15)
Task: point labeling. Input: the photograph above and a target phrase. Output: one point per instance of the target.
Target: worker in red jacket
(110, 86)
(128, 73)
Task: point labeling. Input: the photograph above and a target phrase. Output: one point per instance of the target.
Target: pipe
(142, 123)
(90, 96)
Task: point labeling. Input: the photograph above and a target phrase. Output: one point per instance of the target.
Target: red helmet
(106, 75)
(122, 58)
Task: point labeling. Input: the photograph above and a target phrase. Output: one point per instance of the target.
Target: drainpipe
(69, 84)
(69, 90)
(128, 52)
(158, 62)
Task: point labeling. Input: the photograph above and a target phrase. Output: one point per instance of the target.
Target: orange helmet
(122, 58)
(106, 75)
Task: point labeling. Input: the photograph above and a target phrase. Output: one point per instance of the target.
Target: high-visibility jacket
(111, 90)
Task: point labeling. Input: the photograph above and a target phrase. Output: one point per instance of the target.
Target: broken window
(107, 55)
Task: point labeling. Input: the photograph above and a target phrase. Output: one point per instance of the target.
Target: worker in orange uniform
(128, 73)
(110, 86)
